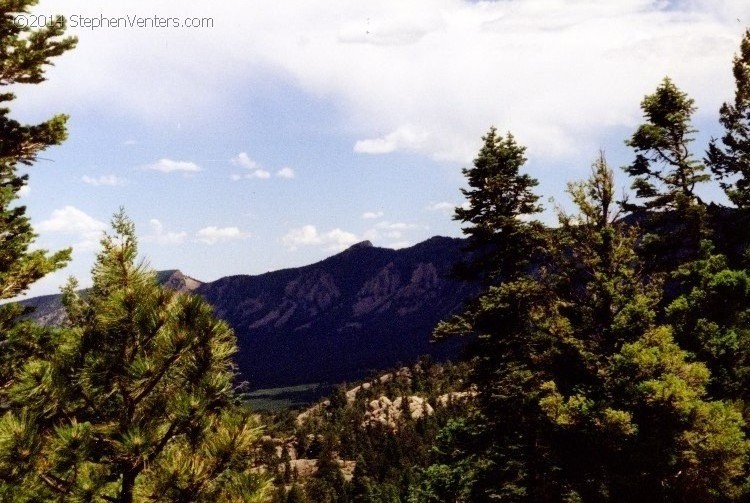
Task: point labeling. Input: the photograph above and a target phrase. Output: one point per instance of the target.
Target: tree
(582, 395)
(665, 178)
(731, 162)
(502, 240)
(499, 198)
(133, 401)
(711, 319)
(23, 55)
(665, 172)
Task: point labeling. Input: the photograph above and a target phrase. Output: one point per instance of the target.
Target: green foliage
(23, 55)
(390, 459)
(731, 162)
(711, 319)
(499, 196)
(134, 401)
(583, 396)
(665, 172)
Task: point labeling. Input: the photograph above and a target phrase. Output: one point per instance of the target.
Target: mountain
(364, 309)
(48, 309)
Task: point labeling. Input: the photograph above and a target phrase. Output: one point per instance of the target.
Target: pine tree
(134, 401)
(666, 174)
(499, 197)
(24, 53)
(731, 162)
(665, 178)
(626, 402)
(502, 239)
(583, 396)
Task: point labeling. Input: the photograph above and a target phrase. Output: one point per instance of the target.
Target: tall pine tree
(500, 199)
(24, 54)
(134, 401)
(666, 176)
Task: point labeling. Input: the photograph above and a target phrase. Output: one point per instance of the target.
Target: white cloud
(372, 215)
(286, 172)
(24, 191)
(303, 236)
(308, 235)
(399, 244)
(244, 161)
(69, 220)
(442, 207)
(396, 226)
(169, 166)
(130, 142)
(212, 234)
(403, 138)
(110, 180)
(429, 77)
(390, 230)
(261, 174)
(160, 236)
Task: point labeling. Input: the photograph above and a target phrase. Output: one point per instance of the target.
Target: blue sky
(288, 130)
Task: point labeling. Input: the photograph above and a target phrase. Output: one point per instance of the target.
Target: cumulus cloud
(169, 166)
(71, 221)
(24, 191)
(160, 236)
(286, 172)
(442, 207)
(372, 215)
(110, 180)
(212, 234)
(308, 235)
(390, 230)
(243, 160)
(403, 138)
(429, 78)
(261, 174)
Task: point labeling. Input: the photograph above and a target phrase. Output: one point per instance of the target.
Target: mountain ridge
(363, 309)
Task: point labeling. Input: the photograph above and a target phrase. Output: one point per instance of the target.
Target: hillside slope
(364, 309)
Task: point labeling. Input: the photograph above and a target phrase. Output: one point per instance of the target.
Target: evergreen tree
(712, 319)
(665, 178)
(499, 197)
(24, 53)
(731, 162)
(296, 495)
(134, 401)
(582, 395)
(502, 240)
(665, 172)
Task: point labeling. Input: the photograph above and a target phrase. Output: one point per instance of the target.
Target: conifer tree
(626, 402)
(502, 239)
(666, 174)
(583, 396)
(731, 162)
(133, 401)
(499, 197)
(24, 53)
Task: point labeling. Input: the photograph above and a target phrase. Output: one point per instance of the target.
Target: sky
(281, 132)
